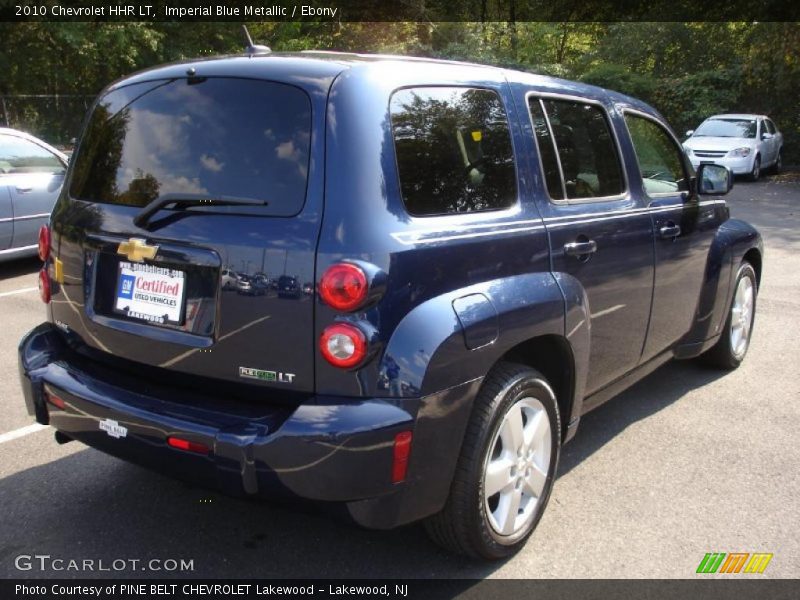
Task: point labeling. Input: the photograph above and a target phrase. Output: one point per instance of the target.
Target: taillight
(402, 450)
(56, 401)
(343, 345)
(188, 445)
(44, 242)
(44, 286)
(344, 287)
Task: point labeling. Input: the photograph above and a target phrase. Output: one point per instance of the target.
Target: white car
(746, 144)
(31, 174)
(230, 279)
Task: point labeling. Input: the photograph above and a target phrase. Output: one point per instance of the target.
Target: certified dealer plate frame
(128, 273)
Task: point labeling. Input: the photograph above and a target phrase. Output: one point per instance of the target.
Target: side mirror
(766, 135)
(714, 180)
(690, 133)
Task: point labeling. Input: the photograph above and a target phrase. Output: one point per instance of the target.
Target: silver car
(31, 174)
(746, 144)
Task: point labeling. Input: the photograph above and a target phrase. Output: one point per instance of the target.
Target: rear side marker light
(56, 401)
(344, 287)
(44, 286)
(402, 450)
(44, 242)
(189, 446)
(343, 345)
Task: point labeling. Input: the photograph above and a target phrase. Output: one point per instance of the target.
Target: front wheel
(755, 173)
(506, 469)
(730, 350)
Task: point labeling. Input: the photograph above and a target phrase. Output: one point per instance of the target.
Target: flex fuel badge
(262, 375)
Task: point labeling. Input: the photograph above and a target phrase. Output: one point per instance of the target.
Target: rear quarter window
(453, 149)
(215, 136)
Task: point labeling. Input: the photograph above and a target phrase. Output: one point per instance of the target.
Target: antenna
(252, 49)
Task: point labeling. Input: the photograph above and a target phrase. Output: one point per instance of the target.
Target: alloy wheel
(742, 317)
(515, 472)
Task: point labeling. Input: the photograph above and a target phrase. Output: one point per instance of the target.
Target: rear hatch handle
(180, 200)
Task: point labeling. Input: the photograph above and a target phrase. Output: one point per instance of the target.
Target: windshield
(735, 128)
(217, 136)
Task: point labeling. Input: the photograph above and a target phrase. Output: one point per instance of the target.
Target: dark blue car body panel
(457, 294)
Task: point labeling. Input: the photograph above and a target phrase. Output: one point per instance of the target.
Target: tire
(488, 527)
(756, 172)
(731, 348)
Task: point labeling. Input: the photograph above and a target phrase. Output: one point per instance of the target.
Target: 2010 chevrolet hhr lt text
(388, 285)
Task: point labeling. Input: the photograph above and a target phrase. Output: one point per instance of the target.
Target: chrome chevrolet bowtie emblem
(136, 250)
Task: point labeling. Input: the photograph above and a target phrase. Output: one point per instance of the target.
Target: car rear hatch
(177, 179)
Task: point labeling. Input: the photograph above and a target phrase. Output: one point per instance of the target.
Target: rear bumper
(325, 449)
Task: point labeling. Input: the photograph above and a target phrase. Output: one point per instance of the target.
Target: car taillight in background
(344, 287)
(44, 286)
(44, 243)
(343, 345)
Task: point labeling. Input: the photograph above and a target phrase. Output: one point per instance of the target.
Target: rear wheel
(755, 173)
(730, 350)
(506, 469)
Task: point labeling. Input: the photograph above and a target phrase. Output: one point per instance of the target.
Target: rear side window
(18, 155)
(454, 152)
(585, 149)
(215, 136)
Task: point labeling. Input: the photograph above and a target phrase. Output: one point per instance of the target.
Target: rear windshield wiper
(181, 200)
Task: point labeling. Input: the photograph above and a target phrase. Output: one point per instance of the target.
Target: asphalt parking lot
(688, 461)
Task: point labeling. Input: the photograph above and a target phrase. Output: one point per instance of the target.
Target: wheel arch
(553, 357)
(753, 256)
(734, 242)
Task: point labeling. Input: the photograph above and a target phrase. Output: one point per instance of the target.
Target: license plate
(150, 293)
(113, 428)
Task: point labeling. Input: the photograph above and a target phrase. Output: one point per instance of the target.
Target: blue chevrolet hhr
(493, 253)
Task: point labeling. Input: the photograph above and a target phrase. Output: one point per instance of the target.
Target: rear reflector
(56, 401)
(44, 286)
(402, 449)
(182, 444)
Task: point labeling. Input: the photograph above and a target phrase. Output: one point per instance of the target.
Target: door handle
(582, 248)
(24, 190)
(670, 230)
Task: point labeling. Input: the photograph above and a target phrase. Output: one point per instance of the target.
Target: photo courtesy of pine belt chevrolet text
(388, 286)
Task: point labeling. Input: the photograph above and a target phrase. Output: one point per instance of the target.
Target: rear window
(454, 152)
(215, 136)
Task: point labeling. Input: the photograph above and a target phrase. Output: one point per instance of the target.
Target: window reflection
(454, 150)
(215, 136)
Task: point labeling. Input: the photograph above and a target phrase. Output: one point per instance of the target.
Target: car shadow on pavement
(663, 387)
(22, 266)
(90, 505)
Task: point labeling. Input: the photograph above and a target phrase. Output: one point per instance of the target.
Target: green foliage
(686, 101)
(621, 79)
(686, 70)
